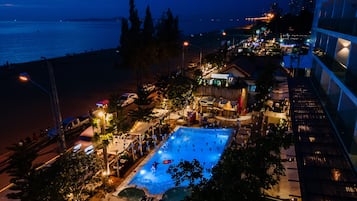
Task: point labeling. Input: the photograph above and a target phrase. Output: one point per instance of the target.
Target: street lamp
(184, 44)
(57, 117)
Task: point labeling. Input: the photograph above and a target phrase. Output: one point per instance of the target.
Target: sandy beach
(81, 81)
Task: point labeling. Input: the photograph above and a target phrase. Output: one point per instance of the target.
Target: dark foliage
(20, 167)
(242, 173)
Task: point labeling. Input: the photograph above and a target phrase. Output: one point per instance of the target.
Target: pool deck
(284, 190)
(138, 165)
(125, 182)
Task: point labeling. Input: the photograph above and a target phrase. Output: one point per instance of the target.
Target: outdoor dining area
(138, 141)
(226, 112)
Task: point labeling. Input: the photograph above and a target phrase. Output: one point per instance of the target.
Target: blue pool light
(205, 145)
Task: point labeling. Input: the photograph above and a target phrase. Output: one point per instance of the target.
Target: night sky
(69, 9)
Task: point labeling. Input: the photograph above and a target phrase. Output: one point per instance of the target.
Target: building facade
(334, 66)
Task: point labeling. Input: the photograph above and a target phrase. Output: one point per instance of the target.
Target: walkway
(324, 168)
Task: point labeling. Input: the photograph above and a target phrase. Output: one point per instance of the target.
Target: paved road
(81, 82)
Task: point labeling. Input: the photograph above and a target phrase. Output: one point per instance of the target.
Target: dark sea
(28, 41)
(25, 41)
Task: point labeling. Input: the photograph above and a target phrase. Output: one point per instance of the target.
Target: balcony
(341, 25)
(338, 69)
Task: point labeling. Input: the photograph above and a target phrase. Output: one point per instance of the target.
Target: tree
(20, 166)
(120, 123)
(148, 30)
(104, 131)
(264, 83)
(144, 97)
(134, 19)
(148, 49)
(179, 90)
(67, 178)
(75, 171)
(168, 37)
(216, 59)
(131, 41)
(124, 47)
(187, 171)
(143, 53)
(140, 47)
(137, 44)
(144, 103)
(243, 173)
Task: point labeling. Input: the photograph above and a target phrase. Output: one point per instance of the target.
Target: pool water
(205, 145)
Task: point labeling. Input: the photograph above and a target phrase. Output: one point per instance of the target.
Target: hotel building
(334, 66)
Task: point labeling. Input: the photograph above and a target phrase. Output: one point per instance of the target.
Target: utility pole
(53, 95)
(56, 108)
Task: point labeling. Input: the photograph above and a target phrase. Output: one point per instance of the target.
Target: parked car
(75, 122)
(127, 99)
(71, 124)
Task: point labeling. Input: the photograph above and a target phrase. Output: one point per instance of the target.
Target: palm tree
(103, 133)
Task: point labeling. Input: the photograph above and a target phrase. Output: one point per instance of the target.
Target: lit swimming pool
(205, 145)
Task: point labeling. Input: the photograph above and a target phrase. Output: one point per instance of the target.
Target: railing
(338, 69)
(342, 25)
(330, 62)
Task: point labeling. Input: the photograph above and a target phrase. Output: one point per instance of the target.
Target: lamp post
(184, 44)
(57, 117)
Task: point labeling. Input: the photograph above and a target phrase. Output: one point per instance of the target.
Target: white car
(127, 99)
